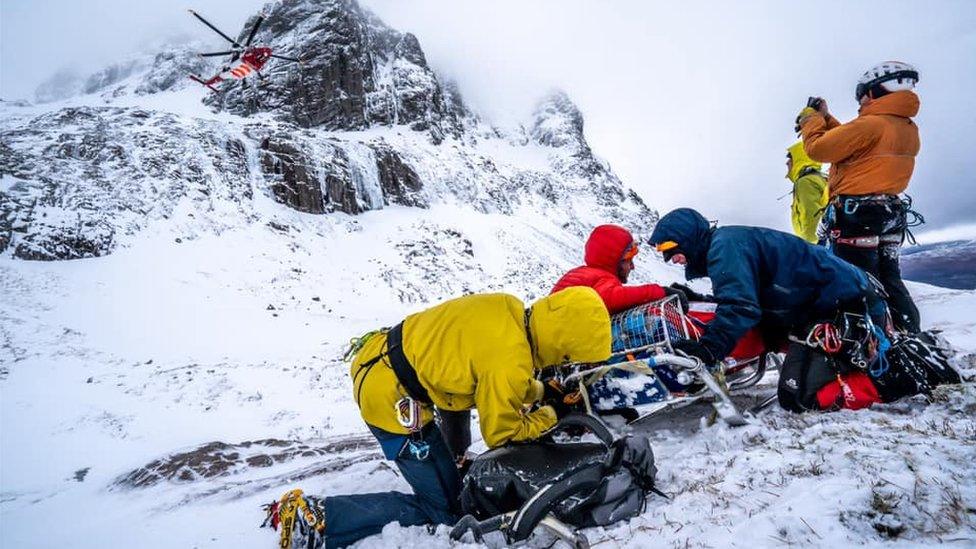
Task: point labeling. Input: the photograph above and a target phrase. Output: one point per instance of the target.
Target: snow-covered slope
(184, 367)
(225, 349)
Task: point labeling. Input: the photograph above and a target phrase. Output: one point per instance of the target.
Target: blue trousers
(434, 479)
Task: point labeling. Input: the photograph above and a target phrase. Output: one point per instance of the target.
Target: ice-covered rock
(363, 125)
(355, 72)
(80, 178)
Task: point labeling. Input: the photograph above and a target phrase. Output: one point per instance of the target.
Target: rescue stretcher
(645, 377)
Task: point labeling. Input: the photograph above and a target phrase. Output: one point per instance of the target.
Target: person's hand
(682, 296)
(564, 399)
(692, 294)
(806, 113)
(692, 348)
(820, 104)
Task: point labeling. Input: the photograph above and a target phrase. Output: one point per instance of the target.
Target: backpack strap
(550, 495)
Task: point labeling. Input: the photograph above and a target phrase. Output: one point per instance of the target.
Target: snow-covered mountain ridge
(85, 176)
(184, 367)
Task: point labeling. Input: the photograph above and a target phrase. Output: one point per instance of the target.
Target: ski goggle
(631, 252)
(667, 248)
(666, 245)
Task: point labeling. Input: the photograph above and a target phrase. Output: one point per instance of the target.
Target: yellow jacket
(475, 352)
(810, 193)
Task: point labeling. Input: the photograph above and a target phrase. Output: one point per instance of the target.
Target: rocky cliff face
(79, 179)
(356, 73)
(363, 126)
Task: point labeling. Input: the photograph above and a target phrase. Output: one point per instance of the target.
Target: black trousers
(882, 263)
(883, 217)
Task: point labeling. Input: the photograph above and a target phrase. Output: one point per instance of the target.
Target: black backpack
(583, 484)
(917, 363)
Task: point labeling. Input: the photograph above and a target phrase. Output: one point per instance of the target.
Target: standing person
(872, 159)
(809, 192)
(609, 260)
(479, 351)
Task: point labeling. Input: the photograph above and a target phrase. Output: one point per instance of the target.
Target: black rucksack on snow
(917, 363)
(582, 484)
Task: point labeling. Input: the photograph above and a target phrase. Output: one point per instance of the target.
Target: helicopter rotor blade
(292, 59)
(254, 30)
(218, 53)
(213, 28)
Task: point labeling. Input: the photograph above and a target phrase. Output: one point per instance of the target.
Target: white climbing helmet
(892, 76)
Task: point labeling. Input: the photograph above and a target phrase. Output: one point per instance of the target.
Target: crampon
(299, 518)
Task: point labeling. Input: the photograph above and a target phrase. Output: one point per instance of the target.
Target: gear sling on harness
(408, 409)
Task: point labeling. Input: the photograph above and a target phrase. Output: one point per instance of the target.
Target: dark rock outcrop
(293, 184)
(400, 183)
(319, 176)
(356, 72)
(220, 459)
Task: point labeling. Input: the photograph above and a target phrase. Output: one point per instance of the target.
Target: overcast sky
(691, 105)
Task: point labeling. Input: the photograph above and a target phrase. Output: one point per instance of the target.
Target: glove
(692, 294)
(802, 117)
(682, 297)
(693, 348)
(564, 399)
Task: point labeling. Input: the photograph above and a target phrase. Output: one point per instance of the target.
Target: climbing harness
(895, 229)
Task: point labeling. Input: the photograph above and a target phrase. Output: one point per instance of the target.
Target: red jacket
(604, 250)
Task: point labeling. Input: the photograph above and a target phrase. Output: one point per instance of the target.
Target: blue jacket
(759, 275)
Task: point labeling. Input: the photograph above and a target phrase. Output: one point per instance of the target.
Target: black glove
(692, 294)
(564, 399)
(682, 297)
(695, 349)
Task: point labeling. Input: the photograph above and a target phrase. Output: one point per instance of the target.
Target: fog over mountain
(691, 105)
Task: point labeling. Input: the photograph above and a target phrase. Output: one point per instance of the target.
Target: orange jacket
(872, 154)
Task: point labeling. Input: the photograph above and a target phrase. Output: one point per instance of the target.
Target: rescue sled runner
(645, 377)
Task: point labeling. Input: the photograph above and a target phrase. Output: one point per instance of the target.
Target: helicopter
(245, 59)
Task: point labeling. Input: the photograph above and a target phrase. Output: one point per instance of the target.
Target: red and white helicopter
(251, 58)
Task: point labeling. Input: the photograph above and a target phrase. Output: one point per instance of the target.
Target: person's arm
(735, 275)
(500, 395)
(824, 143)
(618, 297)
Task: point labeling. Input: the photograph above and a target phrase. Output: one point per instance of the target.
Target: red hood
(606, 246)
